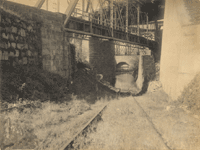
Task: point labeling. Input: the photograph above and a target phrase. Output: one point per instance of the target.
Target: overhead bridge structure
(57, 40)
(80, 26)
(118, 20)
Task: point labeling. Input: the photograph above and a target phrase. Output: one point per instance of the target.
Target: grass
(48, 125)
(190, 96)
(39, 84)
(49, 114)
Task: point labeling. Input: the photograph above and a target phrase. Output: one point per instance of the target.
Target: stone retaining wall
(19, 40)
(46, 37)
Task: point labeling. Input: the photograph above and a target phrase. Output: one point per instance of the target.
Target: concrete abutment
(180, 56)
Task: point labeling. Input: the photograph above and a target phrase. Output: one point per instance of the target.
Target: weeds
(40, 84)
(190, 95)
(49, 124)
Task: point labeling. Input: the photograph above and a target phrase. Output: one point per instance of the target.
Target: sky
(52, 4)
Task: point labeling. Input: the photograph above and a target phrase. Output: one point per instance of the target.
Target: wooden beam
(39, 3)
(69, 10)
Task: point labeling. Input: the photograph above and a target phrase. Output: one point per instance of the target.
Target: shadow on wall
(146, 73)
(144, 87)
(102, 58)
(73, 60)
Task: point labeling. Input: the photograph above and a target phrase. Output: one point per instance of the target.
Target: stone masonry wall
(55, 46)
(19, 40)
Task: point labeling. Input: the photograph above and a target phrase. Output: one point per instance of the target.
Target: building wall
(54, 43)
(180, 55)
(102, 58)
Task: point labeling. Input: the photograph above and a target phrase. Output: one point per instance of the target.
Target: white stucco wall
(180, 55)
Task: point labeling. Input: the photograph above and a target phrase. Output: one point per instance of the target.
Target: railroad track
(83, 132)
(97, 117)
(72, 144)
(152, 124)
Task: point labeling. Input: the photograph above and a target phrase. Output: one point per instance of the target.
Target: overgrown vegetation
(50, 106)
(40, 84)
(47, 125)
(190, 96)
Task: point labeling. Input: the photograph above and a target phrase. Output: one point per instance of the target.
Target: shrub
(40, 84)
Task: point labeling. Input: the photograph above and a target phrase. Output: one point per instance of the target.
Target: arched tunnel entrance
(125, 76)
(122, 66)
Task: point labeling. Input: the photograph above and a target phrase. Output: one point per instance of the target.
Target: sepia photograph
(99, 74)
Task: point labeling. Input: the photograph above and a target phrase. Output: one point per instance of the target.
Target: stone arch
(131, 60)
(122, 66)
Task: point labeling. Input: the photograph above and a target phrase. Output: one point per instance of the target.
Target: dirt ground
(148, 122)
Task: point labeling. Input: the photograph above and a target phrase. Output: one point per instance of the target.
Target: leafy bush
(40, 84)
